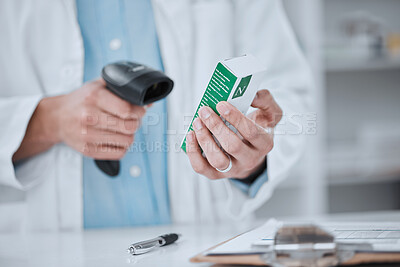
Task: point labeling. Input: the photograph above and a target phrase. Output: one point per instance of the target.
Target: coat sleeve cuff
(16, 113)
(255, 187)
(252, 189)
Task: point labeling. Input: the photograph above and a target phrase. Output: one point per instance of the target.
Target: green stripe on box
(242, 87)
(218, 89)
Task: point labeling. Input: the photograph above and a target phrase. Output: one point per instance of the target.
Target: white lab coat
(42, 54)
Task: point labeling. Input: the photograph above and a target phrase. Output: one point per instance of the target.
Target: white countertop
(108, 247)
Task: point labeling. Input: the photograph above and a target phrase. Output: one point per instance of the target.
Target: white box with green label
(236, 81)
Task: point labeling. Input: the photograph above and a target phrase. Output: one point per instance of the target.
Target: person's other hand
(97, 123)
(247, 154)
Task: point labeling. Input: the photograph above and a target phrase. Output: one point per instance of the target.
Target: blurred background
(353, 162)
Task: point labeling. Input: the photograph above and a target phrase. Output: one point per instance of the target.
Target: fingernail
(205, 113)
(197, 125)
(223, 108)
(189, 137)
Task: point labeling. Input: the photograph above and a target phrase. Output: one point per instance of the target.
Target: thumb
(268, 113)
(263, 100)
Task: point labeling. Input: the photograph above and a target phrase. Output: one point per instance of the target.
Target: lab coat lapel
(69, 170)
(175, 32)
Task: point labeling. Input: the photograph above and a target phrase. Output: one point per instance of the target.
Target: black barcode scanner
(137, 84)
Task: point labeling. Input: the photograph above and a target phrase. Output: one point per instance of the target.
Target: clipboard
(303, 245)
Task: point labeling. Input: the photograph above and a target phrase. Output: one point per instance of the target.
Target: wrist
(47, 113)
(255, 173)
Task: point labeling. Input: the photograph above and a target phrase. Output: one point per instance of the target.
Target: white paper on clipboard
(243, 244)
(384, 236)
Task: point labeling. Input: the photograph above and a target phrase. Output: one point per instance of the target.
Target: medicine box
(236, 81)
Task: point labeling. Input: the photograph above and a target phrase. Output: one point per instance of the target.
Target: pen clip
(146, 246)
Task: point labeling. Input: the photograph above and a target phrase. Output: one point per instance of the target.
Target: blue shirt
(115, 30)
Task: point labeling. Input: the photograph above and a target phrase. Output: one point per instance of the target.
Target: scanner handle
(110, 167)
(137, 84)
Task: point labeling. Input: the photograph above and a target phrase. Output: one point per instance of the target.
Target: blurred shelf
(350, 173)
(344, 65)
(350, 164)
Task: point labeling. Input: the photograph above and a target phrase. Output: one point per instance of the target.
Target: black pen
(148, 245)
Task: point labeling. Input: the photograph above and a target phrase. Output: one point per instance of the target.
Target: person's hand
(246, 154)
(97, 123)
(91, 120)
